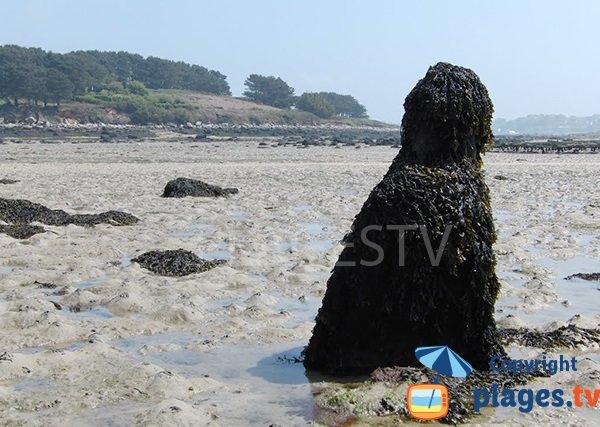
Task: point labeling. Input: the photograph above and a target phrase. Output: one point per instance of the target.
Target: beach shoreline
(141, 344)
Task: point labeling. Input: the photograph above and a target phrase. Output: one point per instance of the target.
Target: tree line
(274, 91)
(34, 75)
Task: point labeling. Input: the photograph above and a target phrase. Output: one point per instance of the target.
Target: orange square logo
(427, 401)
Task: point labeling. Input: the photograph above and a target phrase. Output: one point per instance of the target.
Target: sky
(535, 57)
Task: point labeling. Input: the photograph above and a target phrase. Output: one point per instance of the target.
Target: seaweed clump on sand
(177, 262)
(17, 211)
(8, 181)
(382, 303)
(21, 231)
(584, 276)
(570, 336)
(183, 187)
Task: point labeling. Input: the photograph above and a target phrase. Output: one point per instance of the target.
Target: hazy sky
(534, 56)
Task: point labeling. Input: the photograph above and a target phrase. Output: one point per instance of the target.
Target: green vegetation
(328, 104)
(32, 75)
(316, 104)
(344, 105)
(120, 87)
(141, 105)
(269, 90)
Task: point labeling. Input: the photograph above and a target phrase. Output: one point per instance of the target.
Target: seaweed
(18, 211)
(177, 262)
(584, 276)
(21, 231)
(8, 181)
(570, 336)
(183, 187)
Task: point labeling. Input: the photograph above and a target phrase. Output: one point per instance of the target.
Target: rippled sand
(217, 348)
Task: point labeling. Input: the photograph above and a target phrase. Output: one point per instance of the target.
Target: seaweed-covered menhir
(183, 187)
(376, 315)
(177, 262)
(17, 211)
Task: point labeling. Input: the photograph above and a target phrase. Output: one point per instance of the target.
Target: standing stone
(376, 313)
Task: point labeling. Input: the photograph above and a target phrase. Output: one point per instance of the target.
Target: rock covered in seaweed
(21, 231)
(584, 276)
(183, 187)
(18, 211)
(177, 262)
(376, 315)
(6, 181)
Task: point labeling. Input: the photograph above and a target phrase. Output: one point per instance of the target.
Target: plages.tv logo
(430, 401)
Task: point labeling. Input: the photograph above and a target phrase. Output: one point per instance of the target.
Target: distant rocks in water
(18, 211)
(21, 231)
(584, 276)
(183, 187)
(8, 181)
(177, 262)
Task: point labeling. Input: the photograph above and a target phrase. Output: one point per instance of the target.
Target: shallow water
(268, 385)
(575, 296)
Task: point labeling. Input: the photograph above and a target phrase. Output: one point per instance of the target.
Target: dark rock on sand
(8, 181)
(584, 276)
(376, 314)
(21, 231)
(17, 211)
(177, 262)
(183, 187)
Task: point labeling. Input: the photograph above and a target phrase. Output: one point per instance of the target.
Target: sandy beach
(90, 338)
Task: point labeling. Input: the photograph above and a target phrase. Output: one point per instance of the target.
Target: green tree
(137, 88)
(316, 104)
(269, 90)
(344, 105)
(57, 87)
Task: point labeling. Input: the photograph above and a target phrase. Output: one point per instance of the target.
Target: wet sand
(218, 348)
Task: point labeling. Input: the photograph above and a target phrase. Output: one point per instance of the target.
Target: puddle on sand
(322, 245)
(302, 208)
(301, 310)
(194, 229)
(30, 385)
(5, 271)
(314, 228)
(238, 215)
(94, 313)
(265, 384)
(89, 283)
(582, 295)
(118, 415)
(218, 254)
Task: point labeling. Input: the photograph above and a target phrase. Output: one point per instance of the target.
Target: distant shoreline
(326, 134)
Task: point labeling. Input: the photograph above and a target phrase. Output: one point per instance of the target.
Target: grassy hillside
(166, 106)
